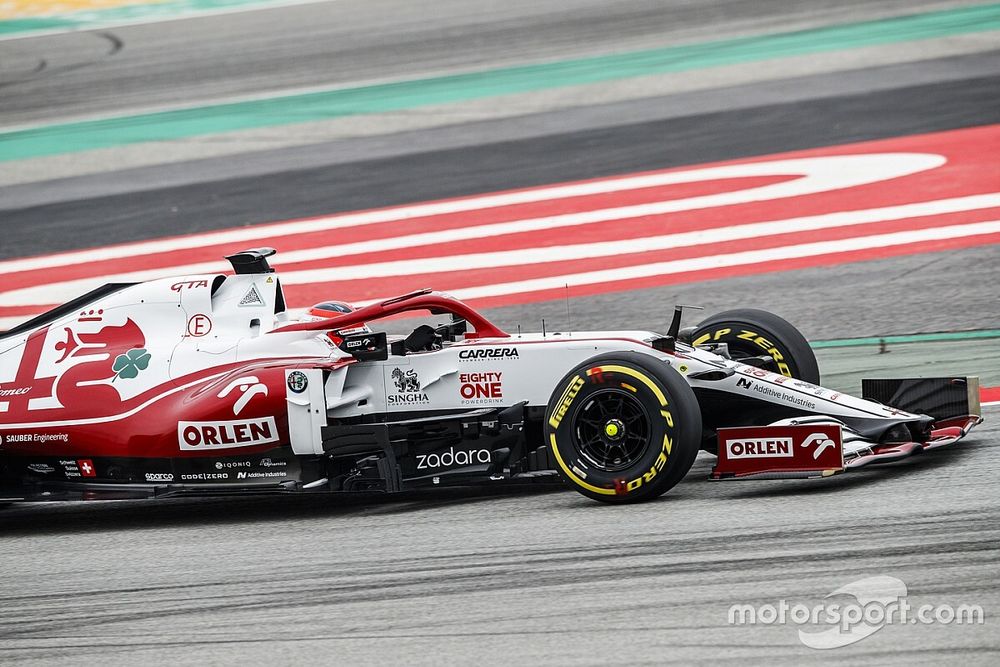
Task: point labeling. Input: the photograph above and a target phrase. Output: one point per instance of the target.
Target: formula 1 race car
(205, 384)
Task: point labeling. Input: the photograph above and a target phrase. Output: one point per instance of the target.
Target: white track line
(531, 256)
(54, 292)
(770, 255)
(820, 174)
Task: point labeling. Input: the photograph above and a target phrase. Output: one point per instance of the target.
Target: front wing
(788, 449)
(821, 446)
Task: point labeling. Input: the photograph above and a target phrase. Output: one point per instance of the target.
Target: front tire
(748, 332)
(623, 427)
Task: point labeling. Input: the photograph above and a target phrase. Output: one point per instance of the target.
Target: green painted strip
(325, 105)
(34, 24)
(944, 336)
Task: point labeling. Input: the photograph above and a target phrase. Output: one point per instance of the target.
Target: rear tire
(748, 332)
(623, 427)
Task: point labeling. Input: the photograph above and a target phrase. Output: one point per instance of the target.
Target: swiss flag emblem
(86, 467)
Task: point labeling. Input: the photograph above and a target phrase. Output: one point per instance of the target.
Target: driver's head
(327, 309)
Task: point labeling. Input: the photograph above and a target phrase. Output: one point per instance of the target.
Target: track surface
(542, 576)
(495, 578)
(438, 174)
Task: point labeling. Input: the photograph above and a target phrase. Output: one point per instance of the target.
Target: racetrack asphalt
(495, 576)
(498, 577)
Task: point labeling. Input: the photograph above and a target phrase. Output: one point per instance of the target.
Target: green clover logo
(128, 365)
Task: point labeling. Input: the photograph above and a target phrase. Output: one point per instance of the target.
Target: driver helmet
(327, 309)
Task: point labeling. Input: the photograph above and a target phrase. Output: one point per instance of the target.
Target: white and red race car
(204, 384)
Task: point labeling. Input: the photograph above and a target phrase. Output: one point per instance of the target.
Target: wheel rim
(612, 429)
